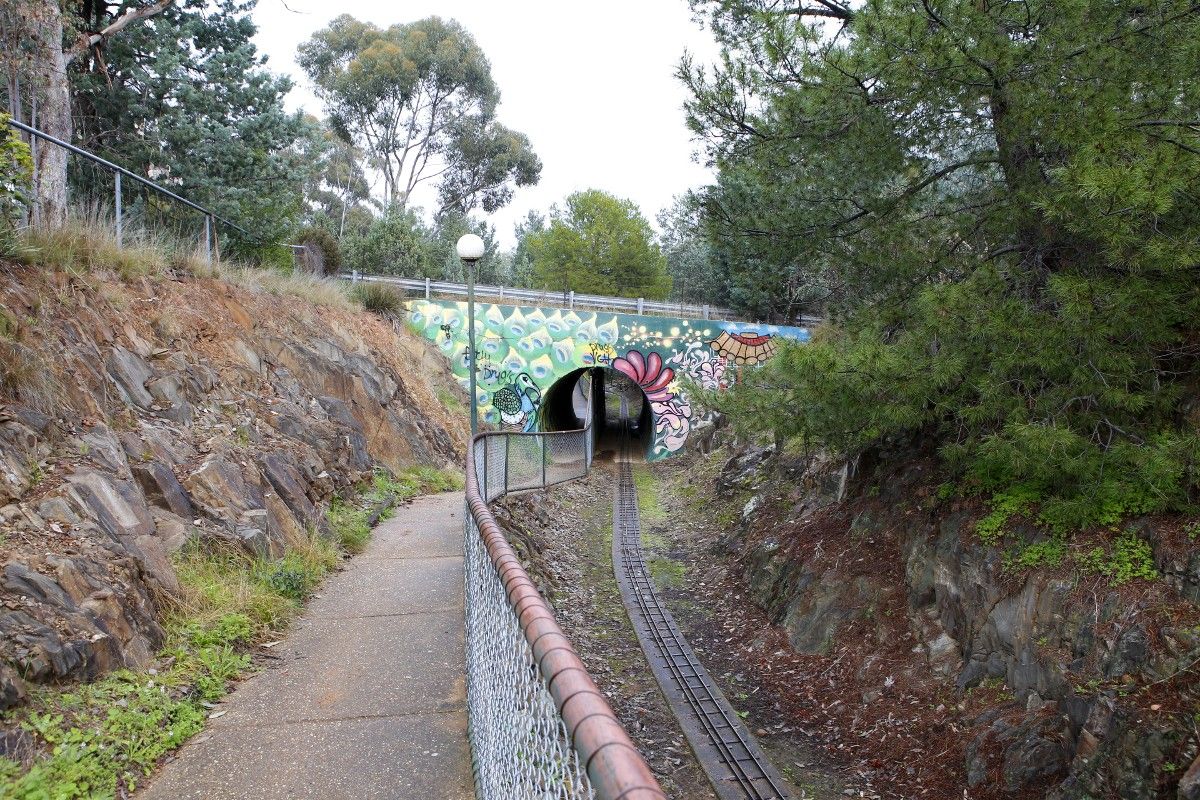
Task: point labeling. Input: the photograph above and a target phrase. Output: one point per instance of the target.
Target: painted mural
(522, 351)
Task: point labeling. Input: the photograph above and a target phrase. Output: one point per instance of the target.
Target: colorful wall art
(523, 351)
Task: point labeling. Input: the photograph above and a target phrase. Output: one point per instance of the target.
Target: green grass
(99, 738)
(649, 508)
(666, 572)
(351, 520)
(451, 403)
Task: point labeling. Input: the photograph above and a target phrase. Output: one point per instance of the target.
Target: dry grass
(319, 291)
(379, 298)
(87, 243)
(25, 373)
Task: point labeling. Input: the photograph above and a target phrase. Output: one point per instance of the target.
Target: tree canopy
(600, 244)
(420, 100)
(184, 98)
(172, 89)
(998, 204)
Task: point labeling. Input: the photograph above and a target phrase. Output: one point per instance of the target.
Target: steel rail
(569, 299)
(614, 767)
(748, 774)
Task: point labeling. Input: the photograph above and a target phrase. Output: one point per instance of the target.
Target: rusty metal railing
(539, 727)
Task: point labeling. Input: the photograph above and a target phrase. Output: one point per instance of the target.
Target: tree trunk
(52, 101)
(1023, 177)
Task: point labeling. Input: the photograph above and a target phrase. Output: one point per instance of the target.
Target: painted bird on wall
(518, 402)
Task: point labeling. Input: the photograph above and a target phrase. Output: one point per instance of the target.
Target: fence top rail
(614, 766)
(123, 171)
(640, 305)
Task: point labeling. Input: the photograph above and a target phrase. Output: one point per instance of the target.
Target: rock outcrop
(144, 415)
(1097, 684)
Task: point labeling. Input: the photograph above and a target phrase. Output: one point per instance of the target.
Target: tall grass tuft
(87, 243)
(379, 299)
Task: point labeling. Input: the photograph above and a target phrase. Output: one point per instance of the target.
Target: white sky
(591, 84)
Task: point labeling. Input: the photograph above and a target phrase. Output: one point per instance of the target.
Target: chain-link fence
(539, 727)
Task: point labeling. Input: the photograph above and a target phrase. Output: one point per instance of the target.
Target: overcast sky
(591, 84)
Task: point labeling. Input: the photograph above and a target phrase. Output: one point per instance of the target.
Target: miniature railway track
(729, 754)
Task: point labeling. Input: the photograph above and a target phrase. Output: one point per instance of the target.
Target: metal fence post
(641, 304)
(571, 304)
(208, 239)
(501, 292)
(543, 438)
(428, 294)
(506, 438)
(117, 206)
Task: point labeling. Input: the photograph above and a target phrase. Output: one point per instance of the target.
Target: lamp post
(470, 249)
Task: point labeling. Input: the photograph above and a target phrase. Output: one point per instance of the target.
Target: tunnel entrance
(614, 397)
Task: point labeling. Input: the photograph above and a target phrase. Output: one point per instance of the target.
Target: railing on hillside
(211, 241)
(570, 300)
(539, 727)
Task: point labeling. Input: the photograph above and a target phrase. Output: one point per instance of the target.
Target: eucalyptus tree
(420, 100)
(40, 41)
(338, 191)
(698, 273)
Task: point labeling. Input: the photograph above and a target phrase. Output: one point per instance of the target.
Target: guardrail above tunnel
(569, 300)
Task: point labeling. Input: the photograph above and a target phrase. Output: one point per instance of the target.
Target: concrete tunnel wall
(523, 352)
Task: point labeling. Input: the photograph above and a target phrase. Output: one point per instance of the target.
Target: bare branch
(119, 24)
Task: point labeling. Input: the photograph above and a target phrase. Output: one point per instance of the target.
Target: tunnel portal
(614, 397)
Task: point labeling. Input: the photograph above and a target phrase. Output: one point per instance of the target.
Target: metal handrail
(122, 170)
(615, 768)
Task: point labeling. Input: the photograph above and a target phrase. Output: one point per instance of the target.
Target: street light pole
(470, 249)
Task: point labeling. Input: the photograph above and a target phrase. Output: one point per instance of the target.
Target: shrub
(325, 257)
(16, 172)
(379, 298)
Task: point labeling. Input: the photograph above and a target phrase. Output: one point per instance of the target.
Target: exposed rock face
(1085, 663)
(182, 410)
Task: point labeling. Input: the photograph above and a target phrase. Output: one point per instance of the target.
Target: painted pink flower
(647, 372)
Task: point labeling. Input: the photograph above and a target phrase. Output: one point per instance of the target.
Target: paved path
(368, 698)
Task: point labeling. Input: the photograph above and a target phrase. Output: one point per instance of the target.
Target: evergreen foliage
(16, 168)
(996, 205)
(184, 99)
(396, 243)
(698, 275)
(420, 100)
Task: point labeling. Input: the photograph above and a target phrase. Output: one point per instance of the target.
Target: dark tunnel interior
(615, 397)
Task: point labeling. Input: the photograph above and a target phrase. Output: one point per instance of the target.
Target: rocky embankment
(138, 415)
(943, 667)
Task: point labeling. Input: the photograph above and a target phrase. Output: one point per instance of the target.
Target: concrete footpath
(368, 696)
